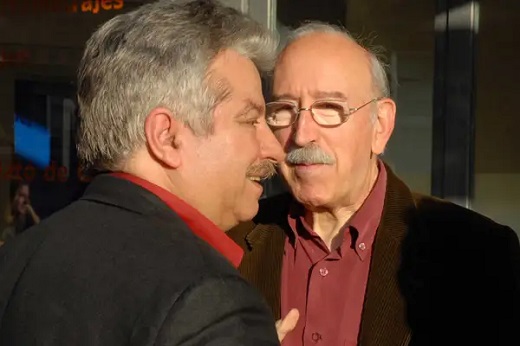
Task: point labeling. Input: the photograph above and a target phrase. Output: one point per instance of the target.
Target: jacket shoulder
(443, 215)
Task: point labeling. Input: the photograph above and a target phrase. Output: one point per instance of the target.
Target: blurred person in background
(172, 117)
(20, 214)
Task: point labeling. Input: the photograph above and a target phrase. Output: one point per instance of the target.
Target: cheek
(282, 136)
(359, 136)
(241, 151)
(209, 161)
(353, 154)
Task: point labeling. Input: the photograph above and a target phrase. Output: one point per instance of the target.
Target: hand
(32, 213)
(26, 208)
(285, 325)
(29, 208)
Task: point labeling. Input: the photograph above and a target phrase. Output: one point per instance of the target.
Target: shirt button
(362, 246)
(324, 271)
(316, 337)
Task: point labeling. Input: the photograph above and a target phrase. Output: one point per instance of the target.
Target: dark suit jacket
(440, 274)
(118, 267)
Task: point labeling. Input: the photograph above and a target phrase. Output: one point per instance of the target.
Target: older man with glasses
(362, 258)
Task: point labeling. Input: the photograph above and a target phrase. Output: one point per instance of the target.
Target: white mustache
(309, 155)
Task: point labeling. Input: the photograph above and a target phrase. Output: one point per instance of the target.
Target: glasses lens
(328, 113)
(279, 114)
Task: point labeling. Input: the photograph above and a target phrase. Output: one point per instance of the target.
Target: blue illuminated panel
(32, 142)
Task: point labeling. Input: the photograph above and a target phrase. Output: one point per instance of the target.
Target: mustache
(264, 170)
(309, 155)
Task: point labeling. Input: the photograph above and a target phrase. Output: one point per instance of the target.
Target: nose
(270, 148)
(304, 130)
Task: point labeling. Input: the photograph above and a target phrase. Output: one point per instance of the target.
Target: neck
(328, 221)
(174, 183)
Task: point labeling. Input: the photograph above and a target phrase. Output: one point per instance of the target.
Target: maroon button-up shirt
(328, 287)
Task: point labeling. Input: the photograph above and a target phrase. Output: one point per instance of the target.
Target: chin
(312, 202)
(313, 197)
(247, 211)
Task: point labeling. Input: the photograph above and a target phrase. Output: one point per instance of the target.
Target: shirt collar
(366, 220)
(198, 223)
(362, 225)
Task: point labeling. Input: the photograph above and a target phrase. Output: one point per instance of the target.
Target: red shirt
(198, 223)
(328, 287)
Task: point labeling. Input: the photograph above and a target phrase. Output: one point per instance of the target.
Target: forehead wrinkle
(319, 94)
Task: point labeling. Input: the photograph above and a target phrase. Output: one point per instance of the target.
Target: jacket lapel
(384, 314)
(262, 264)
(263, 241)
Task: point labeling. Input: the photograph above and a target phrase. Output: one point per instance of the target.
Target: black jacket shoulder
(118, 265)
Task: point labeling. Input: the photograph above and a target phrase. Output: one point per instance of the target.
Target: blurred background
(452, 65)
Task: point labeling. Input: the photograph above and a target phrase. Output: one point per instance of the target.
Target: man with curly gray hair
(172, 119)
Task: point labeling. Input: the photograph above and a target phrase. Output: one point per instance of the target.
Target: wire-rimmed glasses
(326, 113)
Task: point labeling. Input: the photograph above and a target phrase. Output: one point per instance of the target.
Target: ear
(162, 137)
(383, 125)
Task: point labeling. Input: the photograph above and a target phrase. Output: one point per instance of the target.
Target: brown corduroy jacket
(440, 274)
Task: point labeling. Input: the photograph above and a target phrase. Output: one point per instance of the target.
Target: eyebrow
(250, 106)
(315, 94)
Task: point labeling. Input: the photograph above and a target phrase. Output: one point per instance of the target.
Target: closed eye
(255, 122)
(251, 121)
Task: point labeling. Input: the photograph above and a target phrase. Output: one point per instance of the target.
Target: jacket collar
(121, 193)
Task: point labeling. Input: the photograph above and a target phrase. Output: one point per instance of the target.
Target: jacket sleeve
(219, 311)
(508, 293)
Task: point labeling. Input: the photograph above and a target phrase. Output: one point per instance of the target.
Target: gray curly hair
(158, 55)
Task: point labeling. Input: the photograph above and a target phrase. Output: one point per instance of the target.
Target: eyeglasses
(326, 113)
